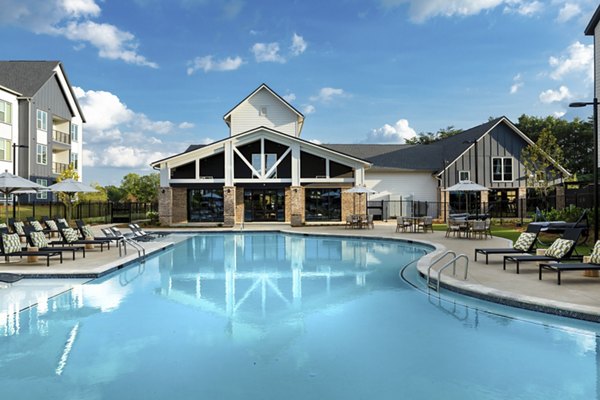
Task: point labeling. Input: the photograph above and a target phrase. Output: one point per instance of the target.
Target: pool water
(281, 316)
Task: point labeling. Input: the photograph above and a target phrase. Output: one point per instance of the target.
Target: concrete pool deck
(577, 297)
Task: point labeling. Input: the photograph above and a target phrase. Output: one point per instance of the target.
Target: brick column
(522, 206)
(229, 196)
(296, 196)
(485, 199)
(239, 205)
(165, 206)
(561, 201)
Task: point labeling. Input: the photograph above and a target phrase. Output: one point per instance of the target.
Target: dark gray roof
(591, 27)
(428, 157)
(26, 77)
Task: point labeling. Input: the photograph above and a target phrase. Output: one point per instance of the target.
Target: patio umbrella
(10, 183)
(467, 186)
(70, 187)
(360, 190)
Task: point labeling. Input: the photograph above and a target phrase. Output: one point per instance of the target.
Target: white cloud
(553, 96)
(71, 19)
(578, 58)
(289, 97)
(299, 45)
(308, 109)
(267, 52)
(568, 11)
(186, 125)
(328, 94)
(120, 156)
(207, 64)
(421, 10)
(397, 133)
(518, 84)
(559, 114)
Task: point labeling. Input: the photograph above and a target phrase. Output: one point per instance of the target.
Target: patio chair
(403, 224)
(39, 240)
(86, 232)
(561, 249)
(593, 264)
(367, 222)
(159, 234)
(456, 227)
(524, 244)
(10, 245)
(139, 233)
(477, 229)
(50, 224)
(16, 227)
(426, 223)
(70, 237)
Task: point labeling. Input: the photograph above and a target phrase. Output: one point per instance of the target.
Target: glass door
(264, 205)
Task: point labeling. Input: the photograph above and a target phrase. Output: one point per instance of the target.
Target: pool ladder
(436, 285)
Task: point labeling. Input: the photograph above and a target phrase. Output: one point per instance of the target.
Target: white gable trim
(268, 89)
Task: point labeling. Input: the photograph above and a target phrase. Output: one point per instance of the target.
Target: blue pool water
(276, 316)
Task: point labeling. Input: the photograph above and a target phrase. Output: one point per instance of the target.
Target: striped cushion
(3, 225)
(39, 239)
(52, 225)
(12, 243)
(19, 227)
(70, 235)
(525, 241)
(595, 256)
(559, 248)
(37, 226)
(87, 232)
(62, 221)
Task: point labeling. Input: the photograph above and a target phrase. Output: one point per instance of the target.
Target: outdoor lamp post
(15, 146)
(595, 104)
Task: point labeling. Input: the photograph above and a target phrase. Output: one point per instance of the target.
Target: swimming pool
(274, 316)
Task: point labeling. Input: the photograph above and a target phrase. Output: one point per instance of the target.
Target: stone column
(165, 206)
(561, 201)
(229, 206)
(485, 199)
(239, 205)
(522, 205)
(296, 205)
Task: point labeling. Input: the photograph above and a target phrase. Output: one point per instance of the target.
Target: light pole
(15, 146)
(593, 103)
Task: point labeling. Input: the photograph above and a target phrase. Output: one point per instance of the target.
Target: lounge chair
(139, 233)
(10, 244)
(39, 240)
(87, 233)
(561, 249)
(593, 264)
(163, 234)
(70, 237)
(50, 224)
(16, 227)
(524, 244)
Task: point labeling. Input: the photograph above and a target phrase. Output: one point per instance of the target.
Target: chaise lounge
(593, 264)
(561, 249)
(524, 244)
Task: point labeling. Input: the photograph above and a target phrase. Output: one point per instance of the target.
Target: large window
(323, 204)
(42, 195)
(205, 205)
(5, 112)
(75, 160)
(502, 169)
(5, 150)
(42, 154)
(270, 160)
(42, 120)
(74, 133)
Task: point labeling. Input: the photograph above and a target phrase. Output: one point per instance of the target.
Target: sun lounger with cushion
(39, 240)
(70, 237)
(561, 249)
(10, 244)
(593, 264)
(524, 244)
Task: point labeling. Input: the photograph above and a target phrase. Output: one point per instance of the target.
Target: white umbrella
(360, 190)
(467, 186)
(70, 187)
(10, 183)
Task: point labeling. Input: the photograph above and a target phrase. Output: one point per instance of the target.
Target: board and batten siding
(502, 141)
(421, 186)
(279, 117)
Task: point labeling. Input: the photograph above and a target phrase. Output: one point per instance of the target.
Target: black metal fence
(91, 211)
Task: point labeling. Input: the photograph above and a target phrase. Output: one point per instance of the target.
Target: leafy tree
(541, 172)
(430, 137)
(68, 199)
(114, 193)
(99, 195)
(140, 188)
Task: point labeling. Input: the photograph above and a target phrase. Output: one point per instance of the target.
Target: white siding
(279, 117)
(420, 185)
(77, 146)
(597, 65)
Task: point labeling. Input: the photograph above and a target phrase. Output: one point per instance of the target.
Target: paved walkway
(578, 296)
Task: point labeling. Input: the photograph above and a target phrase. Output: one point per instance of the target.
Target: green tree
(430, 137)
(140, 188)
(541, 172)
(114, 193)
(99, 195)
(68, 199)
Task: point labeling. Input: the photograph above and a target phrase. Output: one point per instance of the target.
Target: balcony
(61, 137)
(59, 168)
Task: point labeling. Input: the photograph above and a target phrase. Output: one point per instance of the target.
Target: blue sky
(156, 76)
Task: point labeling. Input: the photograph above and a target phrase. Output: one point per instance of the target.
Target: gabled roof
(227, 116)
(193, 148)
(28, 77)
(591, 27)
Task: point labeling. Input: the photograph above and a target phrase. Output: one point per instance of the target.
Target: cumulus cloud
(116, 136)
(517, 84)
(207, 64)
(397, 133)
(308, 109)
(71, 19)
(421, 10)
(559, 114)
(299, 45)
(577, 58)
(568, 11)
(328, 94)
(267, 52)
(553, 96)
